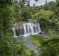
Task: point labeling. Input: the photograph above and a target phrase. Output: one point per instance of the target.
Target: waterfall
(14, 32)
(28, 29)
(25, 33)
(31, 27)
(39, 29)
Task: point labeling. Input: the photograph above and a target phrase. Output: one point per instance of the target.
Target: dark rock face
(18, 25)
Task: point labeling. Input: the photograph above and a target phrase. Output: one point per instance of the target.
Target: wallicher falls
(26, 29)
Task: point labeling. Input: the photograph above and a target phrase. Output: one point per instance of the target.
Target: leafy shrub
(50, 47)
(10, 46)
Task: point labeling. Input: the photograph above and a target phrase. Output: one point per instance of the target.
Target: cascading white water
(28, 29)
(14, 32)
(25, 33)
(39, 29)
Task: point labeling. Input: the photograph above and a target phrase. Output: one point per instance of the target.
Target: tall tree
(6, 16)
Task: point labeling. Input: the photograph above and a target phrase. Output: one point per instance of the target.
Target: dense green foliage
(10, 46)
(22, 14)
(50, 47)
(5, 2)
(6, 14)
(48, 17)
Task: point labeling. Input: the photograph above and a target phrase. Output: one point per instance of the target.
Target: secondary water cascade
(26, 29)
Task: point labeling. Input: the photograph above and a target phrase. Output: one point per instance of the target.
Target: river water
(29, 44)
